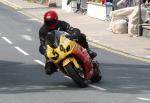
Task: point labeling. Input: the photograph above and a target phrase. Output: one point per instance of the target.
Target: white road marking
(20, 12)
(93, 86)
(27, 37)
(32, 19)
(34, 87)
(22, 51)
(11, 4)
(97, 87)
(144, 99)
(7, 40)
(40, 62)
(125, 77)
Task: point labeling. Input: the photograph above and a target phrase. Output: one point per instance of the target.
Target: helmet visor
(50, 22)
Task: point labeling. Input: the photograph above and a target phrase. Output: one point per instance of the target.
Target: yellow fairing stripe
(68, 60)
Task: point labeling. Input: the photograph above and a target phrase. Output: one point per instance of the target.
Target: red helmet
(51, 19)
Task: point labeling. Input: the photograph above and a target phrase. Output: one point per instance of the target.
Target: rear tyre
(97, 73)
(79, 80)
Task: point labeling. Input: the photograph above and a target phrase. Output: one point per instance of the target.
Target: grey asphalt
(22, 80)
(95, 29)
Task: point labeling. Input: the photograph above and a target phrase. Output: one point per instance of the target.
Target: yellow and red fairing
(82, 54)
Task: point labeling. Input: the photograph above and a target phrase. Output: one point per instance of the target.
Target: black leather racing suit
(62, 26)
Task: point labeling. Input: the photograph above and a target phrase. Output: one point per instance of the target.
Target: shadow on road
(126, 78)
(16, 77)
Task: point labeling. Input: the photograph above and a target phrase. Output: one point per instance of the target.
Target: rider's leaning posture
(51, 23)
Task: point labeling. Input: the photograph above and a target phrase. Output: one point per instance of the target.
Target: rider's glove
(76, 31)
(71, 36)
(42, 49)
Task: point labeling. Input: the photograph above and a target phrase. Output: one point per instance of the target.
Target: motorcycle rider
(51, 22)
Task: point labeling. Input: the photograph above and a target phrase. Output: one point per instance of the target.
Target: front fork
(73, 60)
(86, 74)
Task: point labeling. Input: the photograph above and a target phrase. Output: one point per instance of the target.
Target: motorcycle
(72, 59)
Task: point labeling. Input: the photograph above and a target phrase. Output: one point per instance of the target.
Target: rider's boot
(91, 53)
(83, 42)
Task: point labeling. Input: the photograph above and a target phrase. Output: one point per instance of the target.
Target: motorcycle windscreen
(53, 39)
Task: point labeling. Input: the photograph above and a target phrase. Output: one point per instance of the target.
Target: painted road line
(144, 99)
(118, 52)
(33, 87)
(22, 51)
(40, 62)
(7, 40)
(32, 19)
(31, 16)
(27, 37)
(11, 4)
(97, 87)
(93, 86)
(25, 14)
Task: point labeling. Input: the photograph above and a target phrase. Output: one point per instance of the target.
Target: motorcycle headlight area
(66, 40)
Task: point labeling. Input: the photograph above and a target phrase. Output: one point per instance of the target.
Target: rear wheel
(97, 73)
(76, 76)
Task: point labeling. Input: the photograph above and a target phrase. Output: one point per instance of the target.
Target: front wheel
(74, 74)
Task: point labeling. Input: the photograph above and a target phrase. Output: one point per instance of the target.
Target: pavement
(96, 30)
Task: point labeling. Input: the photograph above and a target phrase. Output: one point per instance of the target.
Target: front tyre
(73, 73)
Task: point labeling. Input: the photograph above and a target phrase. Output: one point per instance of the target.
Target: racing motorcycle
(72, 59)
